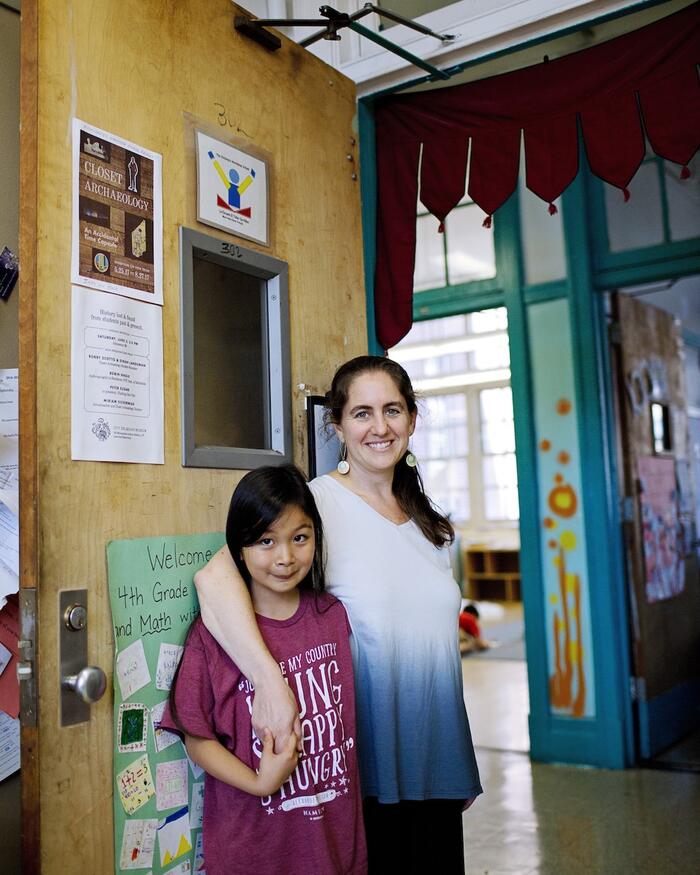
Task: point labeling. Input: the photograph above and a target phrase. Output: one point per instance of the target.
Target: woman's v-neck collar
(365, 503)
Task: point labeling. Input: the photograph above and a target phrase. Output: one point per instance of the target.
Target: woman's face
(375, 424)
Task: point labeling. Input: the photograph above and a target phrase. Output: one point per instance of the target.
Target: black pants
(414, 838)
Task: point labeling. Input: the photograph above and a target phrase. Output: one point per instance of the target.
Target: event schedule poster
(232, 189)
(116, 379)
(158, 791)
(117, 215)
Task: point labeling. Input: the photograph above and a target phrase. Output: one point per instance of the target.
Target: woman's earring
(411, 460)
(343, 464)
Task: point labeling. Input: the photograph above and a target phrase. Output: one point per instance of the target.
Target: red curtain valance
(644, 81)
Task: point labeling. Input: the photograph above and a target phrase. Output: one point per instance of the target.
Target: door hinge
(26, 665)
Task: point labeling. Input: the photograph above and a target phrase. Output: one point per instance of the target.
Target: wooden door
(151, 72)
(664, 588)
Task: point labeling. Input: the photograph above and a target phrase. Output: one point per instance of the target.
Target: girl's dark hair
(407, 485)
(261, 497)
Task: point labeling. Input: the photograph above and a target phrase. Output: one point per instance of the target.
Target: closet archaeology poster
(158, 791)
(117, 215)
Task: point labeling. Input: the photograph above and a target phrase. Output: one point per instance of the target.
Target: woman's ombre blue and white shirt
(403, 604)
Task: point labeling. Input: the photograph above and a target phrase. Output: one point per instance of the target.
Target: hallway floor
(536, 819)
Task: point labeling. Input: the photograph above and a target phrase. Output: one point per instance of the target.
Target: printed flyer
(116, 379)
(117, 215)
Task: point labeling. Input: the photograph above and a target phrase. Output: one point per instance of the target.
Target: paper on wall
(138, 844)
(132, 669)
(116, 379)
(199, 855)
(9, 745)
(162, 738)
(9, 633)
(171, 784)
(168, 658)
(174, 837)
(135, 784)
(197, 806)
(132, 728)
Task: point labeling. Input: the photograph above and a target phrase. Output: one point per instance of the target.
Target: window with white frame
(464, 441)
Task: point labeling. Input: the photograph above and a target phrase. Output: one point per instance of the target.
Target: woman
(387, 561)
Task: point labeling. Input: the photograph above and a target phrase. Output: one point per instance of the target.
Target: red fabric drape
(646, 80)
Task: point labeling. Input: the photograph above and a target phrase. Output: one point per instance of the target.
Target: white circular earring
(411, 460)
(343, 465)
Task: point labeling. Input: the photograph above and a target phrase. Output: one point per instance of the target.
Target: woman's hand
(275, 710)
(275, 768)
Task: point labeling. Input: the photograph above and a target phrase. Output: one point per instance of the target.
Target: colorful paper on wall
(9, 633)
(664, 548)
(117, 215)
(153, 602)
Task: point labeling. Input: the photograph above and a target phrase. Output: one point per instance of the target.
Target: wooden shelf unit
(492, 573)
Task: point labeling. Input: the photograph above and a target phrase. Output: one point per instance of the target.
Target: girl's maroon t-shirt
(313, 824)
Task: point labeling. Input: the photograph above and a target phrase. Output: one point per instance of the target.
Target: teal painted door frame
(607, 739)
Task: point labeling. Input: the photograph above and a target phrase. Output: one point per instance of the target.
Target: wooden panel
(9, 173)
(667, 645)
(142, 70)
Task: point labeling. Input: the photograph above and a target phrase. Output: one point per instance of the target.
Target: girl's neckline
(365, 503)
(296, 616)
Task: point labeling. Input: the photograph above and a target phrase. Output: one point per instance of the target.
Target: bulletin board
(158, 792)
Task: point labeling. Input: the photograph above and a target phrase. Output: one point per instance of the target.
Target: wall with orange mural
(568, 620)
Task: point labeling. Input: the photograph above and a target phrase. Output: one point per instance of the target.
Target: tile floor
(536, 819)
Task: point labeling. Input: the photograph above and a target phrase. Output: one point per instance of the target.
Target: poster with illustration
(232, 189)
(158, 792)
(664, 551)
(117, 215)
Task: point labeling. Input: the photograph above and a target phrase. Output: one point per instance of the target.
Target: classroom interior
(611, 788)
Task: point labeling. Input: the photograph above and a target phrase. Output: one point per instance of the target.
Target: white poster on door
(116, 379)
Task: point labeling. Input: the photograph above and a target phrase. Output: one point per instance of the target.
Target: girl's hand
(275, 768)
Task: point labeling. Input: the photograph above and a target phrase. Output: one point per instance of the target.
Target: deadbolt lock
(75, 617)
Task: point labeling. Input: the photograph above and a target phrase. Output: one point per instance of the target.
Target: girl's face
(375, 424)
(279, 560)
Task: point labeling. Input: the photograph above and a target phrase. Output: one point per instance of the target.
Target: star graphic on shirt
(343, 781)
(345, 791)
(332, 783)
(270, 810)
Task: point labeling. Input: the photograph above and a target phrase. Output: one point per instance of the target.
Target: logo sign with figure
(117, 215)
(231, 189)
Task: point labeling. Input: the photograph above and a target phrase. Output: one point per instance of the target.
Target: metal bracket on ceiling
(332, 22)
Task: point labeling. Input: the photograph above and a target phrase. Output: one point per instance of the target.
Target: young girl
(267, 812)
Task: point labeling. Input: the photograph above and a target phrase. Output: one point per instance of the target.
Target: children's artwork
(174, 836)
(153, 603)
(664, 553)
(183, 868)
(161, 737)
(131, 728)
(171, 784)
(232, 189)
(197, 805)
(5, 657)
(132, 669)
(117, 215)
(197, 771)
(138, 844)
(135, 784)
(199, 855)
(168, 659)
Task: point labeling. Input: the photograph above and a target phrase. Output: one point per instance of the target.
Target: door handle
(89, 683)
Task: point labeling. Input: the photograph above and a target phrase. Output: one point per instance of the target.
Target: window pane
(430, 256)
(488, 320)
(446, 484)
(683, 197)
(542, 238)
(492, 355)
(500, 471)
(501, 504)
(639, 221)
(436, 329)
(470, 252)
(497, 433)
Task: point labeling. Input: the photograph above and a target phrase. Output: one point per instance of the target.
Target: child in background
(266, 812)
(470, 632)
